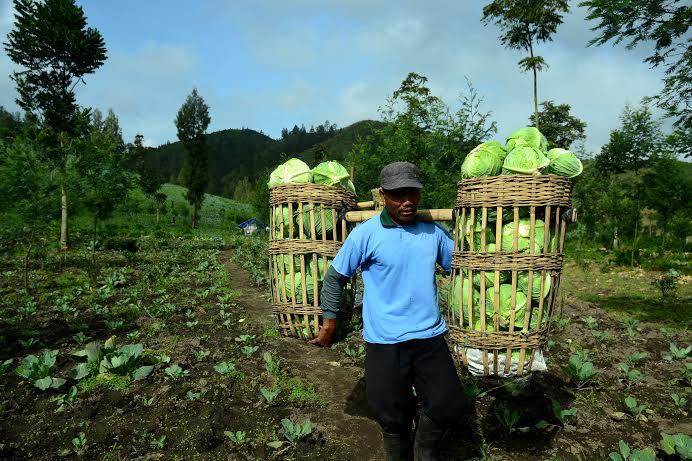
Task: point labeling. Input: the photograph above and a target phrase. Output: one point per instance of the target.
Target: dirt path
(345, 421)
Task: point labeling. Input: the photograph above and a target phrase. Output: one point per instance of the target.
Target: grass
(301, 393)
(628, 293)
(103, 381)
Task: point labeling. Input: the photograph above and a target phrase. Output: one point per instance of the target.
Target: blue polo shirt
(398, 268)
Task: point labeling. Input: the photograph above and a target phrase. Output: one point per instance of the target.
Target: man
(402, 325)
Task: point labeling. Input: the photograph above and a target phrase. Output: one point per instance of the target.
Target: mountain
(238, 154)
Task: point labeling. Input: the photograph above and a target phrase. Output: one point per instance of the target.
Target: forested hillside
(237, 157)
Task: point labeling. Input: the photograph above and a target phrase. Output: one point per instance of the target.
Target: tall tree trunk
(194, 216)
(535, 90)
(63, 201)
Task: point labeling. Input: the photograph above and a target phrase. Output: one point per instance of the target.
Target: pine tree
(192, 121)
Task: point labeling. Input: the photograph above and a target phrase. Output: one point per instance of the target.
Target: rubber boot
(428, 434)
(397, 447)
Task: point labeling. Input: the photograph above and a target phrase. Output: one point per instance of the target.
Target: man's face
(401, 204)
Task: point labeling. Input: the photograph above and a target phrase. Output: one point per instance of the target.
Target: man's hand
(326, 336)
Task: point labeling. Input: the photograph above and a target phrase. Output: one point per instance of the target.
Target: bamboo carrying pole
(421, 215)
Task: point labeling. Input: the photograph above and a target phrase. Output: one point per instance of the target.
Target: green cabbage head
(525, 160)
(489, 278)
(523, 284)
(328, 224)
(523, 240)
(454, 297)
(527, 136)
(293, 171)
(564, 163)
(297, 280)
(332, 173)
(505, 307)
(478, 231)
(484, 160)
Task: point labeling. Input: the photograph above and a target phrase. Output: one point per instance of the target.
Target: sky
(270, 64)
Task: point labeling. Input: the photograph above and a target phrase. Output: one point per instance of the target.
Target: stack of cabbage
(526, 152)
(474, 231)
(295, 171)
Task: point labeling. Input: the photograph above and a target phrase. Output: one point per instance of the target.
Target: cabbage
(564, 163)
(505, 308)
(484, 160)
(477, 232)
(523, 284)
(489, 278)
(332, 173)
(489, 326)
(328, 225)
(454, 301)
(297, 279)
(527, 136)
(293, 171)
(524, 160)
(282, 214)
(523, 241)
(320, 267)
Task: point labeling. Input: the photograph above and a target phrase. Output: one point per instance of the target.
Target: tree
(523, 23)
(666, 24)
(667, 188)
(192, 121)
(321, 153)
(53, 44)
(559, 127)
(150, 175)
(630, 146)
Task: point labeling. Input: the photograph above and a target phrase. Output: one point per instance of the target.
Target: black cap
(400, 174)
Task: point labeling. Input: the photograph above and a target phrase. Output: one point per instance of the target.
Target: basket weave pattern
(507, 229)
(306, 227)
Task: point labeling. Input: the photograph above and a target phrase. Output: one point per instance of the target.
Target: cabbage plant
(505, 306)
(328, 221)
(454, 302)
(525, 160)
(484, 160)
(38, 370)
(293, 171)
(489, 278)
(523, 241)
(298, 284)
(332, 173)
(527, 136)
(523, 284)
(477, 230)
(564, 163)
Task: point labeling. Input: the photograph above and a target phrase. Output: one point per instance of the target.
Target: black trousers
(391, 370)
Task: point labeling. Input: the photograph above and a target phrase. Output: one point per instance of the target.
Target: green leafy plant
(158, 443)
(147, 402)
(680, 401)
(579, 371)
(237, 437)
(630, 326)
(27, 343)
(549, 345)
(244, 338)
(272, 364)
(601, 336)
(633, 407)
(189, 395)
(269, 395)
(201, 355)
(626, 454)
(65, 400)
(667, 283)
(564, 415)
(227, 369)
(678, 353)
(108, 358)
(676, 444)
(249, 350)
(80, 337)
(630, 374)
(79, 444)
(508, 417)
(355, 354)
(38, 370)
(635, 357)
(175, 371)
(561, 323)
(590, 322)
(295, 432)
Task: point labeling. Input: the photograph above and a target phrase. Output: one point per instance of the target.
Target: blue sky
(271, 64)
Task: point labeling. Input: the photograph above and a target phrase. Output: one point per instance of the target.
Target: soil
(118, 425)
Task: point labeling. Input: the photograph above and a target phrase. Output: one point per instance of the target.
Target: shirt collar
(387, 220)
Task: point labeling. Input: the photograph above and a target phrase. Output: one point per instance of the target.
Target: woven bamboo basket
(306, 230)
(509, 237)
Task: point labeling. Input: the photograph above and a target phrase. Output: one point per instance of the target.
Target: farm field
(213, 365)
